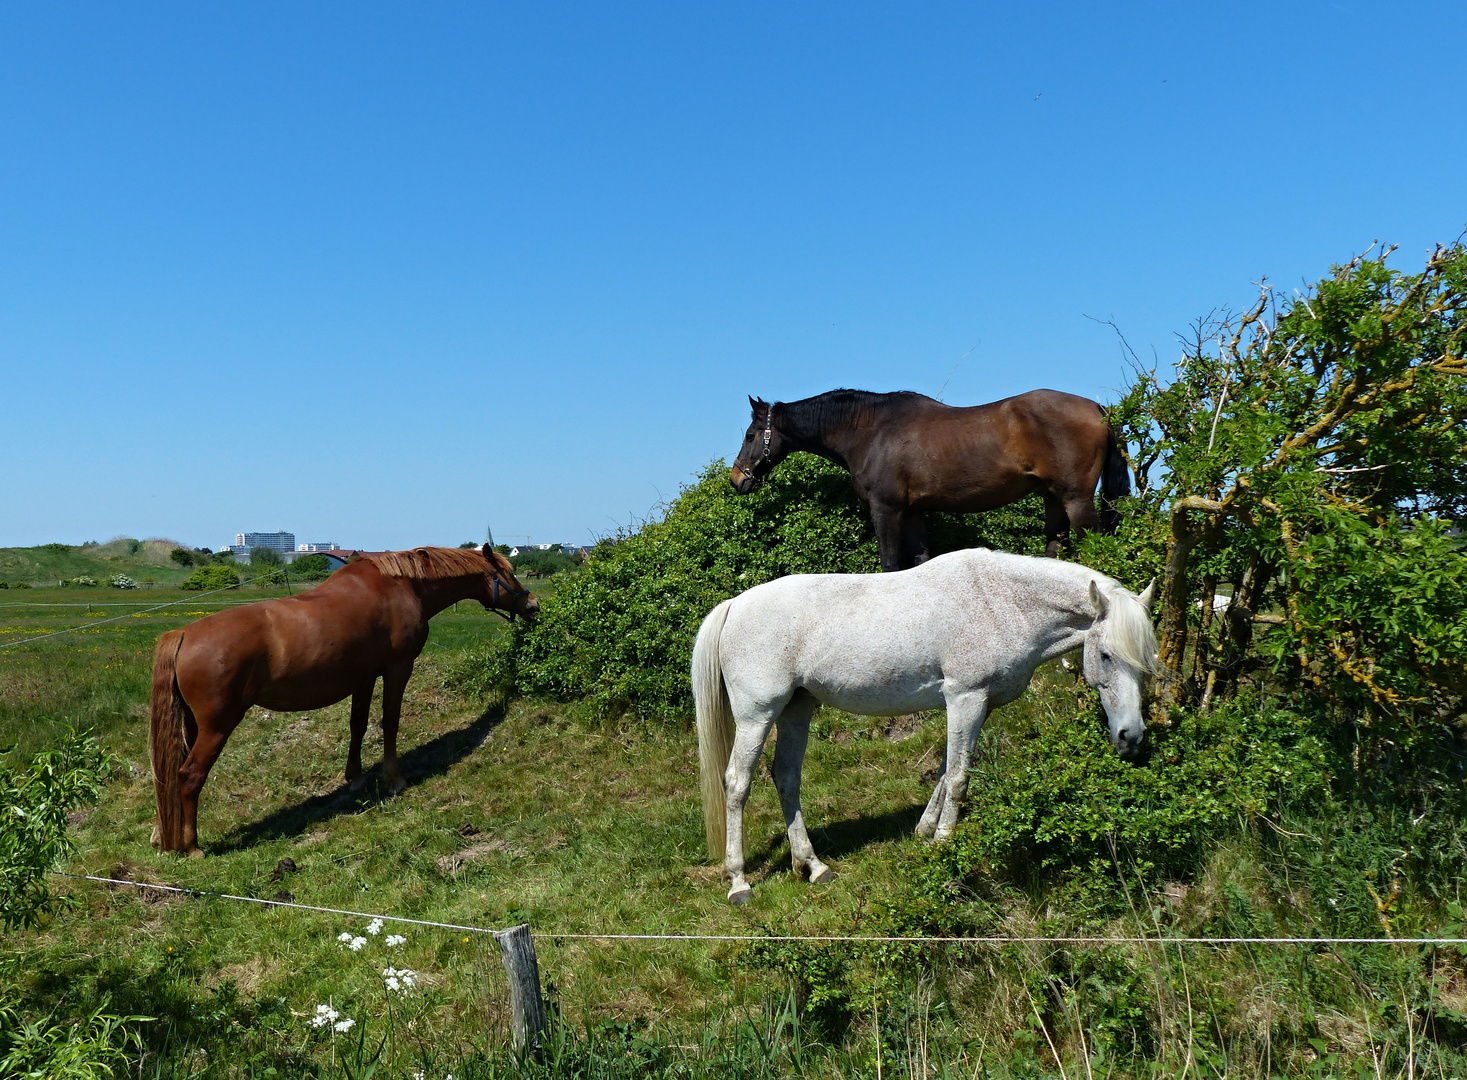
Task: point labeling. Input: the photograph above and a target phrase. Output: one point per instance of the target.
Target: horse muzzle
(742, 482)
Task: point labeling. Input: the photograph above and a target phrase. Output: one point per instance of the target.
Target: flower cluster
(353, 943)
(325, 1014)
(399, 980)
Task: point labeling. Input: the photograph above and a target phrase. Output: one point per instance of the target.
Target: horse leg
(394, 683)
(889, 535)
(789, 757)
(965, 715)
(737, 779)
(361, 708)
(1081, 511)
(1056, 523)
(914, 538)
(928, 825)
(210, 735)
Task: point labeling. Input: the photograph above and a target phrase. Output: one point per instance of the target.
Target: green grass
(51, 563)
(529, 814)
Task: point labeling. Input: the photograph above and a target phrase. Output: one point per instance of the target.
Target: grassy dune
(50, 563)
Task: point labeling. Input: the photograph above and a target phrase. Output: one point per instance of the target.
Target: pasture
(536, 813)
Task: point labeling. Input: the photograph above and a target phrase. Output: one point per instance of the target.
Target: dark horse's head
(763, 448)
(503, 591)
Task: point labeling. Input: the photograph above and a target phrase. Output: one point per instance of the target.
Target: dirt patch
(901, 728)
(449, 864)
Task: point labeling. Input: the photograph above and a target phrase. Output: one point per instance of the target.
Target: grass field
(531, 814)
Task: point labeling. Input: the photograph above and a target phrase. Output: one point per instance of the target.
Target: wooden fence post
(527, 1005)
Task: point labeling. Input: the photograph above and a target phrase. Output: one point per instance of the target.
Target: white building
(276, 541)
(322, 546)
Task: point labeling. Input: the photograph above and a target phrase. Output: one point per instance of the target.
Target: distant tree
(315, 567)
(468, 544)
(182, 556)
(266, 558)
(503, 549)
(208, 578)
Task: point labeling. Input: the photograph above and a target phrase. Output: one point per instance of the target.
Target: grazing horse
(367, 620)
(963, 631)
(908, 453)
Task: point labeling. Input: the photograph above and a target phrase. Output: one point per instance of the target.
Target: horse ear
(1098, 600)
(757, 403)
(1148, 595)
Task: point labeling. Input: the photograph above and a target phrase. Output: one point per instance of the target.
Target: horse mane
(1128, 630)
(811, 417)
(427, 563)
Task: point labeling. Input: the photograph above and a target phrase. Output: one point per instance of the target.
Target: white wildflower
(345, 935)
(399, 981)
(356, 943)
(325, 1014)
(395, 939)
(374, 927)
(344, 1026)
(418, 1074)
(393, 984)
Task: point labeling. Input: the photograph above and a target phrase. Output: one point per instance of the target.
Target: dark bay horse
(368, 620)
(908, 453)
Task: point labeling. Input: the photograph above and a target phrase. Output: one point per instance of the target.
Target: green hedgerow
(619, 635)
(207, 578)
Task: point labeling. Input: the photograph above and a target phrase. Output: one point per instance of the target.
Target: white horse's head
(1120, 651)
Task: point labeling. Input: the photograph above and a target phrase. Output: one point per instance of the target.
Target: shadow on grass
(840, 839)
(432, 758)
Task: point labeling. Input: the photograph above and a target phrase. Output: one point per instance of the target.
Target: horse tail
(1115, 481)
(165, 742)
(715, 727)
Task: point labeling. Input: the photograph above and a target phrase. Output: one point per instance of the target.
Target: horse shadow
(432, 758)
(841, 838)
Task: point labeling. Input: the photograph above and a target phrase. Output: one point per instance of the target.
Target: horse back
(978, 457)
(306, 651)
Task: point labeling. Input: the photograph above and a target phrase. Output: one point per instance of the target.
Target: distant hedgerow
(206, 578)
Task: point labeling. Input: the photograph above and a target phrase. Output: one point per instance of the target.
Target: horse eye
(1105, 656)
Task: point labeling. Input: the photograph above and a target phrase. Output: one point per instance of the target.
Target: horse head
(1120, 651)
(762, 449)
(503, 591)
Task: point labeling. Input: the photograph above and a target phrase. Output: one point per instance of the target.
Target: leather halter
(517, 594)
(768, 426)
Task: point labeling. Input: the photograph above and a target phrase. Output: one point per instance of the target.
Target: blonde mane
(1129, 632)
(426, 563)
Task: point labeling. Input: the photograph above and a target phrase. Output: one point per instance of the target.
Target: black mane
(810, 418)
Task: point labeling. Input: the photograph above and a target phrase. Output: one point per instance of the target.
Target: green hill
(141, 560)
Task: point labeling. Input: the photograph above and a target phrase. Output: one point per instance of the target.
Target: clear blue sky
(384, 274)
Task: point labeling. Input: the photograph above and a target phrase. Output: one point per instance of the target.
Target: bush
(122, 581)
(315, 567)
(619, 635)
(82, 582)
(34, 804)
(182, 556)
(264, 558)
(208, 578)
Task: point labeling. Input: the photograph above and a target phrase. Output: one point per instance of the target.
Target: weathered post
(527, 1006)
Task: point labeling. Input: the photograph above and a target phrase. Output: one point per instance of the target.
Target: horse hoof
(741, 896)
(826, 874)
(195, 853)
(396, 789)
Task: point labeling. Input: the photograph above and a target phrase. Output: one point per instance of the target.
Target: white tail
(715, 727)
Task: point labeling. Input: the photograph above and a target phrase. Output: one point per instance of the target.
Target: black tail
(1115, 481)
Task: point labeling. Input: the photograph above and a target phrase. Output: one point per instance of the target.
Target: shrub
(122, 581)
(182, 556)
(314, 567)
(619, 634)
(82, 582)
(264, 558)
(208, 578)
(34, 804)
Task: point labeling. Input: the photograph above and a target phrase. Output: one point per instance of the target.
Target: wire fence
(867, 939)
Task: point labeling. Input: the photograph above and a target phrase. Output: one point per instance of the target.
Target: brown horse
(367, 620)
(907, 453)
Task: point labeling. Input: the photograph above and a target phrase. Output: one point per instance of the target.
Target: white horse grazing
(965, 630)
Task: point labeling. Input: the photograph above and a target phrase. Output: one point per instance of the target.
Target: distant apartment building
(275, 541)
(321, 546)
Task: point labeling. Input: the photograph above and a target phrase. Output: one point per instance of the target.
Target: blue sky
(386, 274)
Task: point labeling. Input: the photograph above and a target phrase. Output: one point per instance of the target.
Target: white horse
(965, 630)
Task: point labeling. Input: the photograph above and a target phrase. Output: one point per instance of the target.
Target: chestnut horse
(908, 453)
(367, 620)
